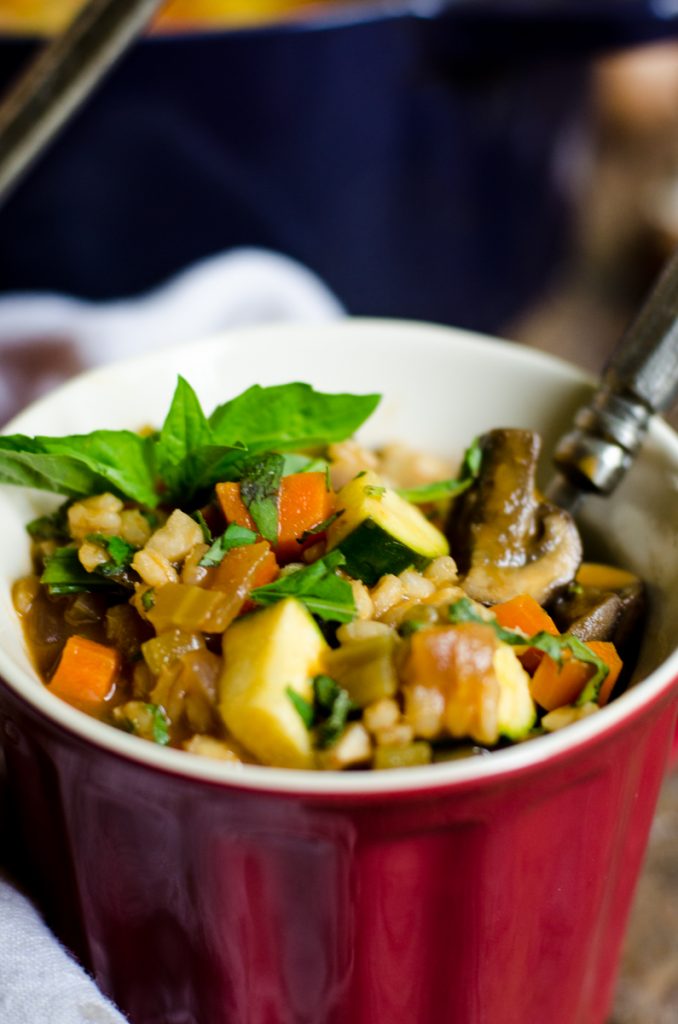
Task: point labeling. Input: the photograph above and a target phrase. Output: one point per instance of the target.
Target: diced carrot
(86, 672)
(305, 503)
(232, 505)
(524, 613)
(554, 685)
(604, 577)
(608, 653)
(241, 570)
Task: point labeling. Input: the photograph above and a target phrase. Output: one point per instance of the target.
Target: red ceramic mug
(488, 891)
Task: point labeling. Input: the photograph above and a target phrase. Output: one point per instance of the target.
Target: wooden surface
(647, 992)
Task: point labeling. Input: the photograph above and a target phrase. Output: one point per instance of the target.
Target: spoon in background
(61, 78)
(640, 379)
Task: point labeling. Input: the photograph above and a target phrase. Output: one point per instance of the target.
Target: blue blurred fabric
(417, 164)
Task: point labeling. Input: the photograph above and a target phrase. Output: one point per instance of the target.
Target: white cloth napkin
(40, 983)
(45, 337)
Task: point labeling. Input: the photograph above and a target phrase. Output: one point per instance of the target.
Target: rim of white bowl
(353, 785)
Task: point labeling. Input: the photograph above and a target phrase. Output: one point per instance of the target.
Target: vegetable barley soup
(255, 586)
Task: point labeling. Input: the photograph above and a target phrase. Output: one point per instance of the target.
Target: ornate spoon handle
(640, 379)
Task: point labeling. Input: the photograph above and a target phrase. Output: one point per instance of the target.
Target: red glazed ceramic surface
(490, 891)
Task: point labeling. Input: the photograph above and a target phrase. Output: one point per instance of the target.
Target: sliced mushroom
(601, 612)
(503, 536)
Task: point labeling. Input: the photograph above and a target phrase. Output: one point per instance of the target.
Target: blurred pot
(421, 158)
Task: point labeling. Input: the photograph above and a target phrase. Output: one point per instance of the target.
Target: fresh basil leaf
(302, 706)
(294, 463)
(63, 574)
(260, 492)
(185, 427)
(440, 490)
(29, 465)
(288, 416)
(209, 465)
(120, 458)
(317, 586)
(184, 432)
(234, 537)
(80, 465)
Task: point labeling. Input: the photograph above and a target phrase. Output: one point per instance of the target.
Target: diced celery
(366, 668)
(162, 650)
(407, 756)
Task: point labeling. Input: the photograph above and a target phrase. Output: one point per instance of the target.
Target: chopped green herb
(302, 706)
(372, 491)
(160, 727)
(234, 537)
(473, 460)
(325, 691)
(554, 646)
(260, 492)
(64, 574)
(321, 527)
(410, 626)
(148, 599)
(120, 553)
(438, 491)
(333, 706)
(331, 729)
(443, 489)
(317, 586)
(202, 523)
(51, 527)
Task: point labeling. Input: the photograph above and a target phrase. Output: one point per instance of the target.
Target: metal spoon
(61, 77)
(640, 379)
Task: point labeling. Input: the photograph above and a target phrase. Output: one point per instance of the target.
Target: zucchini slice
(517, 712)
(379, 532)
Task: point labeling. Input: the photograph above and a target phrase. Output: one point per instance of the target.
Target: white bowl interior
(441, 387)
